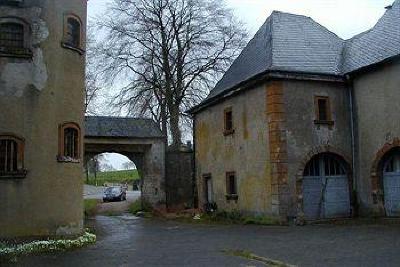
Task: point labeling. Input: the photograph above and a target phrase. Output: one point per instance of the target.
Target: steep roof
(297, 44)
(285, 42)
(100, 126)
(375, 45)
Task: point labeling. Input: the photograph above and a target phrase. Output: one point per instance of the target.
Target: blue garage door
(391, 186)
(326, 188)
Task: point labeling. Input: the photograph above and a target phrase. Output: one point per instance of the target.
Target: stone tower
(42, 80)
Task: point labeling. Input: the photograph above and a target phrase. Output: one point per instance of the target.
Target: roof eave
(268, 75)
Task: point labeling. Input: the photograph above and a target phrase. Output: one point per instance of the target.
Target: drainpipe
(353, 153)
(194, 182)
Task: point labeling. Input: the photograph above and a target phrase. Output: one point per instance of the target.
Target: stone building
(42, 62)
(305, 124)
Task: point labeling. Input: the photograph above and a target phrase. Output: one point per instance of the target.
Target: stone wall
(179, 179)
(376, 104)
(245, 152)
(36, 96)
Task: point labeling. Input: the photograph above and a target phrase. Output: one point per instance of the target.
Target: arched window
(11, 156)
(324, 165)
(73, 33)
(14, 38)
(69, 148)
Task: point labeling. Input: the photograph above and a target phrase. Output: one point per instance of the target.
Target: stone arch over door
(326, 149)
(140, 140)
(377, 183)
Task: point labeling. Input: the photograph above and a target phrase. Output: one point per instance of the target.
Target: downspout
(194, 182)
(353, 152)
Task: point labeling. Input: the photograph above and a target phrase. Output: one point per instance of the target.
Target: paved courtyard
(130, 241)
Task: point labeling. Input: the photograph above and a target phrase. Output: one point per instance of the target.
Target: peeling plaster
(19, 75)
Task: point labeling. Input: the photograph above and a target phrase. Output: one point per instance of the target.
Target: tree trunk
(174, 126)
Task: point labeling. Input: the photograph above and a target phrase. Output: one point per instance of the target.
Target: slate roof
(100, 126)
(375, 45)
(295, 43)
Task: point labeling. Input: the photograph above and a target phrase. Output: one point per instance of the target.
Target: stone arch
(300, 172)
(376, 174)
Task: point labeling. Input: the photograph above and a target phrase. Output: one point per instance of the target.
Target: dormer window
(14, 38)
(73, 33)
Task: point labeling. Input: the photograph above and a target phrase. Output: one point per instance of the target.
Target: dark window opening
(324, 165)
(323, 110)
(393, 164)
(71, 143)
(231, 186)
(11, 2)
(11, 36)
(8, 156)
(73, 33)
(228, 121)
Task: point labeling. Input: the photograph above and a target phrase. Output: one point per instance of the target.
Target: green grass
(136, 207)
(233, 217)
(90, 207)
(118, 177)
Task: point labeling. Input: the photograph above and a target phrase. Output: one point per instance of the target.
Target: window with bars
(12, 35)
(393, 163)
(69, 147)
(324, 165)
(11, 156)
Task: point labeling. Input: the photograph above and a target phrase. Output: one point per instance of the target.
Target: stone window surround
(229, 194)
(21, 172)
(228, 130)
(27, 52)
(317, 120)
(61, 145)
(64, 43)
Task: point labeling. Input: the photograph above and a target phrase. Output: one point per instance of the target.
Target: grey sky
(346, 18)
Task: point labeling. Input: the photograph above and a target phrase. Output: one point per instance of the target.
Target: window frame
(64, 42)
(208, 177)
(317, 108)
(227, 130)
(61, 143)
(20, 172)
(231, 195)
(18, 52)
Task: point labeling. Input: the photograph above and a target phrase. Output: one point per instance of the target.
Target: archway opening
(326, 187)
(390, 181)
(111, 170)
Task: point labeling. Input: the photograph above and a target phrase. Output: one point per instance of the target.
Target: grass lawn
(113, 177)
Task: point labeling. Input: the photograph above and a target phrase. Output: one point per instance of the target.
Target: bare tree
(92, 88)
(169, 52)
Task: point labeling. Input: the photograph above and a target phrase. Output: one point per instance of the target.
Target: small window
(13, 38)
(323, 110)
(11, 157)
(69, 150)
(208, 188)
(231, 186)
(228, 121)
(72, 33)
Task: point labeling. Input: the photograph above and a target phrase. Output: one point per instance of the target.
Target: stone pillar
(278, 149)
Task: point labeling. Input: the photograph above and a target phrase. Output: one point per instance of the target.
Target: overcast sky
(346, 18)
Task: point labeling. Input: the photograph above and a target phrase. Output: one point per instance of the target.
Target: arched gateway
(138, 139)
(326, 187)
